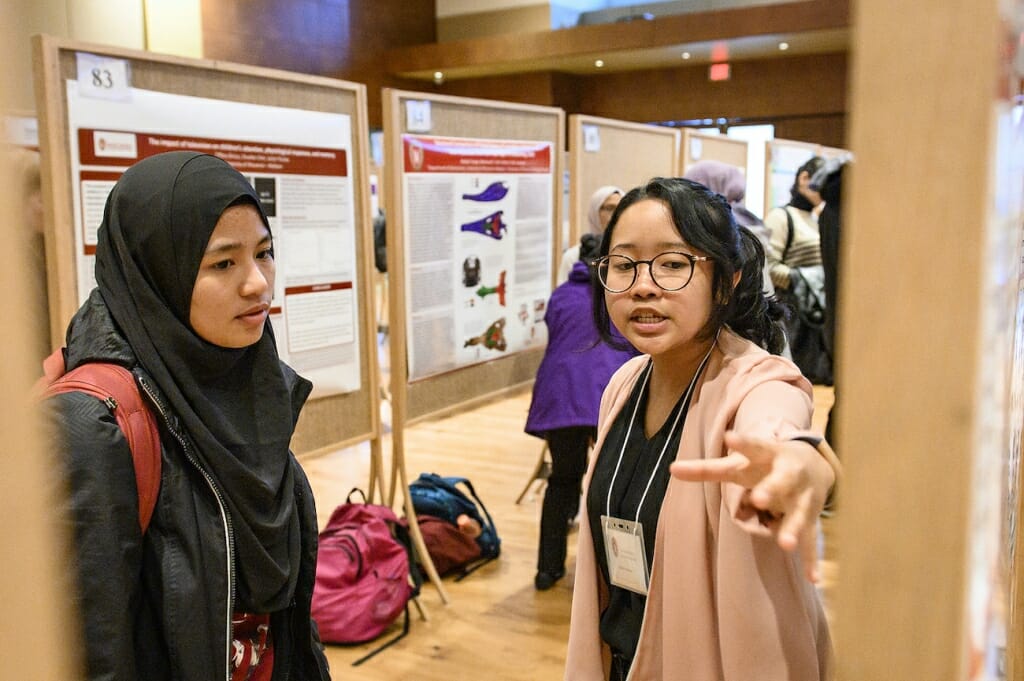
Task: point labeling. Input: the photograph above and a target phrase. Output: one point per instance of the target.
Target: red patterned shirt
(252, 648)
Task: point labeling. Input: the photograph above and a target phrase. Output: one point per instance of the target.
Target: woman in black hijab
(219, 584)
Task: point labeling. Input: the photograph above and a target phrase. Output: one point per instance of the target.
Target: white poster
(478, 238)
(998, 408)
(298, 162)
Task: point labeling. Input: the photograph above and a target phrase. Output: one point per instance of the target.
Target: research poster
(479, 224)
(299, 163)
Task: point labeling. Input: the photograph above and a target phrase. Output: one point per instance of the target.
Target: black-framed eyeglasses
(670, 271)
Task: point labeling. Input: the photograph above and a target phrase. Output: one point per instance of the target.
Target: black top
(621, 620)
(156, 607)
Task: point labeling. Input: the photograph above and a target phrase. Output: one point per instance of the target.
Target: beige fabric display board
(330, 421)
(34, 551)
(465, 171)
(700, 146)
(782, 158)
(931, 258)
(604, 151)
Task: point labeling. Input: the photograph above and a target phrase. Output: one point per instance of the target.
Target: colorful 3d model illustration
(492, 339)
(471, 271)
(485, 291)
(491, 226)
(495, 191)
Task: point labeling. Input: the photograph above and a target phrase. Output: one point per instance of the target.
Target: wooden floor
(496, 627)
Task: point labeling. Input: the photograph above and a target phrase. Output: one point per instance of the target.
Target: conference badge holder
(627, 559)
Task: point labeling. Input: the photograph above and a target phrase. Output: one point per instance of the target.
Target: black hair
(810, 166)
(705, 221)
(590, 245)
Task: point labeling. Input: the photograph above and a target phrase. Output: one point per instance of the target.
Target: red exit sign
(718, 71)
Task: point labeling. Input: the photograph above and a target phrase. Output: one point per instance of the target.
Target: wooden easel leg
(376, 486)
(538, 473)
(398, 473)
(421, 547)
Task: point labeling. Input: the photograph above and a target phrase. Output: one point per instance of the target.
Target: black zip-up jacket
(159, 606)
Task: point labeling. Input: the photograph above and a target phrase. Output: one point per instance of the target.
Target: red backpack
(116, 386)
(363, 577)
(449, 548)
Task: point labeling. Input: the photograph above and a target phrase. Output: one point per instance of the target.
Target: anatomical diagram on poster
(479, 224)
(299, 164)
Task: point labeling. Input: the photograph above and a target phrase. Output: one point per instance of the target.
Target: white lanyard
(683, 408)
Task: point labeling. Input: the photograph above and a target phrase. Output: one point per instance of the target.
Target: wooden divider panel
(930, 289)
(494, 170)
(699, 146)
(604, 151)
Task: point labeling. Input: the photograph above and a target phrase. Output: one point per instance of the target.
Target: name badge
(624, 549)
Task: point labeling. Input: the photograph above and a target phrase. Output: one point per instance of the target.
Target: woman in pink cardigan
(697, 550)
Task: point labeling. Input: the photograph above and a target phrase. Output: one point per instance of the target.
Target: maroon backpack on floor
(363, 577)
(448, 547)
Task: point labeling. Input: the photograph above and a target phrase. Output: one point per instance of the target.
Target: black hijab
(234, 404)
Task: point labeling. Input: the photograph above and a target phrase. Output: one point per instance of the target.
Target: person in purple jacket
(566, 395)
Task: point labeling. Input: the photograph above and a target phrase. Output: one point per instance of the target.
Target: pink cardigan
(725, 602)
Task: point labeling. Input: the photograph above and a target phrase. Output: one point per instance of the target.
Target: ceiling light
(438, 77)
(783, 46)
(685, 55)
(599, 63)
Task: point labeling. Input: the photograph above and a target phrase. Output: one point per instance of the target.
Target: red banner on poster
(457, 155)
(122, 149)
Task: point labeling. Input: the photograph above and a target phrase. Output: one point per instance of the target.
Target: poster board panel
(604, 151)
(420, 128)
(699, 146)
(56, 63)
(910, 207)
(461, 119)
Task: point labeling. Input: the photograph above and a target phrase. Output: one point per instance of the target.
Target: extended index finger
(722, 469)
(757, 449)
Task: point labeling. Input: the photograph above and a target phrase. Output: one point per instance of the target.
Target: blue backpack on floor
(440, 497)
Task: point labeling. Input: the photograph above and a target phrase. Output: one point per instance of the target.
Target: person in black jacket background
(828, 181)
(219, 584)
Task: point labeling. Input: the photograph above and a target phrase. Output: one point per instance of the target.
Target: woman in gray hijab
(599, 212)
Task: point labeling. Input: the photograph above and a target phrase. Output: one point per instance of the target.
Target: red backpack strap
(136, 420)
(53, 368)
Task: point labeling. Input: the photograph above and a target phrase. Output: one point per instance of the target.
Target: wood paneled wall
(826, 129)
(525, 88)
(338, 38)
(522, 19)
(805, 96)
